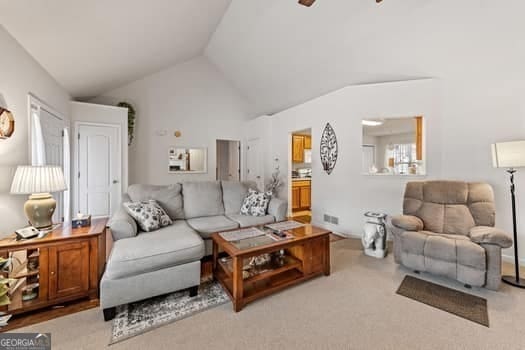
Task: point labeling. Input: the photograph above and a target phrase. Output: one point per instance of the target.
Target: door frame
(76, 159)
(290, 168)
(241, 177)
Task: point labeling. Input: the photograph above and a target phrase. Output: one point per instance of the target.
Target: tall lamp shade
(511, 155)
(39, 182)
(508, 154)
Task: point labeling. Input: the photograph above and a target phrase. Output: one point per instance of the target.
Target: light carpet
(355, 308)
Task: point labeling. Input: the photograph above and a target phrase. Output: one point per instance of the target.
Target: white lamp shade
(38, 179)
(508, 154)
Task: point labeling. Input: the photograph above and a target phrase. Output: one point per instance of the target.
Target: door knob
(115, 181)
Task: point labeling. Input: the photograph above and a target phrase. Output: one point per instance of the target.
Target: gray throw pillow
(149, 214)
(256, 203)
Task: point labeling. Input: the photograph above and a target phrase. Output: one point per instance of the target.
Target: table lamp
(39, 182)
(511, 155)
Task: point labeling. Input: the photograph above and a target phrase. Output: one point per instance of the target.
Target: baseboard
(510, 259)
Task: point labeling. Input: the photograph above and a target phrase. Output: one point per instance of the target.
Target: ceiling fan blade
(307, 3)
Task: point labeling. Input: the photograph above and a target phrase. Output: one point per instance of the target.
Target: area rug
(461, 304)
(143, 316)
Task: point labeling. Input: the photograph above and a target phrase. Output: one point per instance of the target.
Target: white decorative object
(374, 235)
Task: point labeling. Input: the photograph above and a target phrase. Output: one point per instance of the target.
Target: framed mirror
(393, 146)
(187, 160)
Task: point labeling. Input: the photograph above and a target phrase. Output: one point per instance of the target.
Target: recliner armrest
(277, 208)
(122, 225)
(407, 222)
(490, 235)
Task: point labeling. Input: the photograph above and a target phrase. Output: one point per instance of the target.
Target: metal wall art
(328, 149)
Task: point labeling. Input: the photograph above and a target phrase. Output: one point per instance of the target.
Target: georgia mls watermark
(25, 341)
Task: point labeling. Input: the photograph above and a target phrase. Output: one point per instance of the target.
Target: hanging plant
(131, 120)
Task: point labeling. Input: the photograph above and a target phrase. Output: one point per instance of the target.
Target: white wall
(455, 149)
(20, 75)
(96, 113)
(193, 97)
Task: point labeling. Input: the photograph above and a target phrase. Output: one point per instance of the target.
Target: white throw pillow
(149, 215)
(256, 203)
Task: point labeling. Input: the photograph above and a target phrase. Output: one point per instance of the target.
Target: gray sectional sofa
(448, 229)
(147, 264)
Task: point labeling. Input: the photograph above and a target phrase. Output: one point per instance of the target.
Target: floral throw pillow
(148, 214)
(256, 203)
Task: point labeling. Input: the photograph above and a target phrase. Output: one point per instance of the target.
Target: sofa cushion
(415, 242)
(446, 192)
(233, 194)
(432, 215)
(440, 248)
(202, 198)
(458, 220)
(149, 214)
(210, 224)
(169, 197)
(150, 251)
(248, 220)
(471, 254)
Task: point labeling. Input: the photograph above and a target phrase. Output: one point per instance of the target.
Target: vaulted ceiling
(95, 45)
(280, 54)
(276, 52)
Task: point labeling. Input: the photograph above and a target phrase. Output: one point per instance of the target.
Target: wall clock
(7, 123)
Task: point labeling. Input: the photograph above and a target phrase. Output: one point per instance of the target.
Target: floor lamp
(511, 155)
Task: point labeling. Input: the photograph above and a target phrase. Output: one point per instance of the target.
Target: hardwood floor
(49, 313)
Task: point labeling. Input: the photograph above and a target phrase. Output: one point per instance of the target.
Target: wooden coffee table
(306, 255)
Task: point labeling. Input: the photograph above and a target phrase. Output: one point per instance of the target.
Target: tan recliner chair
(448, 229)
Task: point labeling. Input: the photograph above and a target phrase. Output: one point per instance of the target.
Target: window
(404, 156)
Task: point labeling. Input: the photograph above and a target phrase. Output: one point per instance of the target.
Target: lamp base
(39, 210)
(520, 283)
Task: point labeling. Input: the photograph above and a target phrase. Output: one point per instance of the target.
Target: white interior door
(234, 164)
(253, 163)
(99, 169)
(228, 160)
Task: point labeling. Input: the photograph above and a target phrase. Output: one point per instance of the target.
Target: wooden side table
(65, 265)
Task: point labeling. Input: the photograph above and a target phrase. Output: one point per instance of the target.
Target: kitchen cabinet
(307, 142)
(296, 198)
(301, 195)
(299, 144)
(297, 148)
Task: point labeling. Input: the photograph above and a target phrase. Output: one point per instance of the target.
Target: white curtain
(67, 172)
(38, 147)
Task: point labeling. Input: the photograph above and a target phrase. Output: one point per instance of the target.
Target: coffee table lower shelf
(302, 262)
(262, 286)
